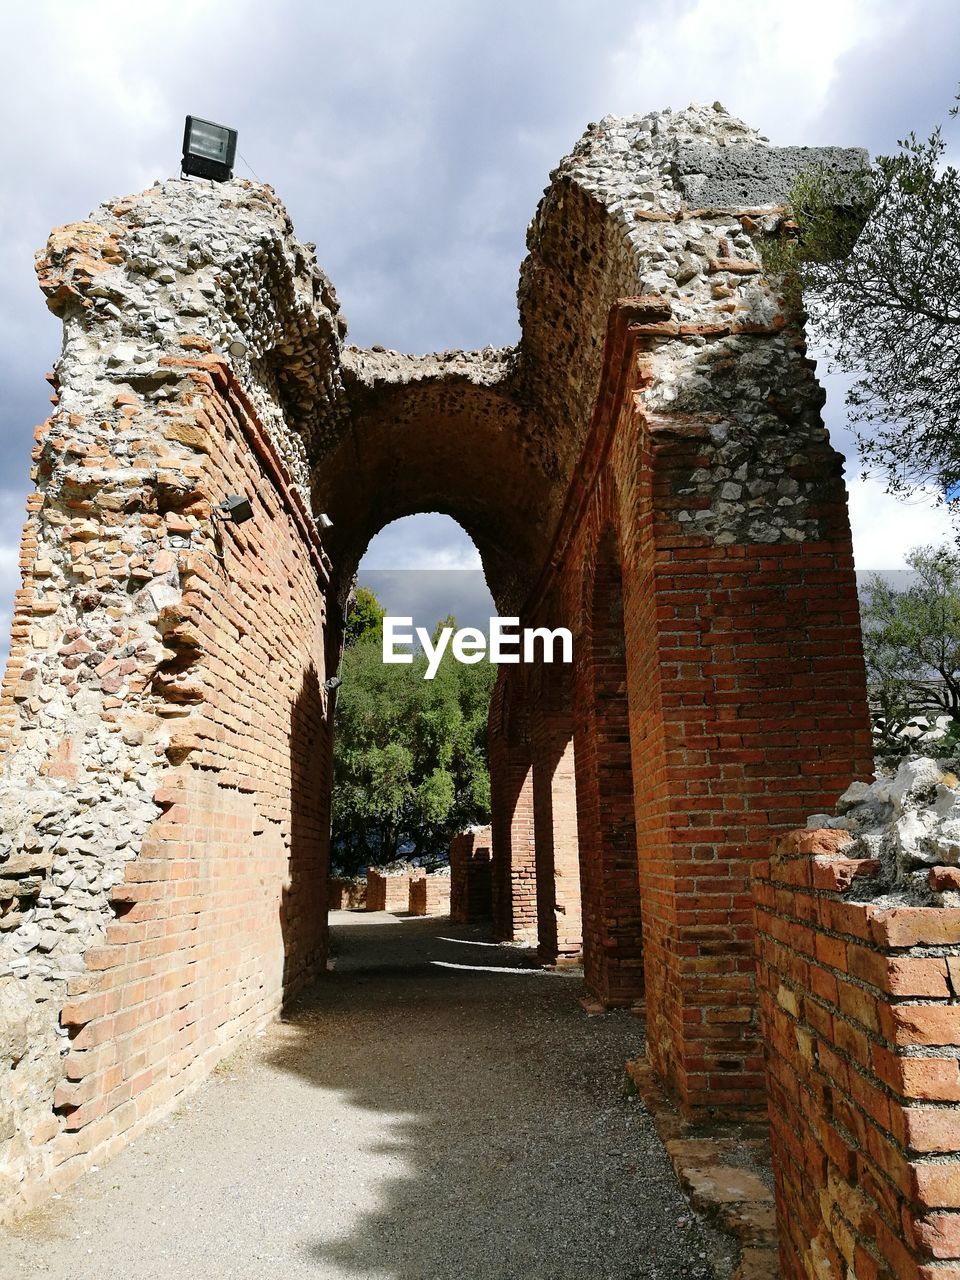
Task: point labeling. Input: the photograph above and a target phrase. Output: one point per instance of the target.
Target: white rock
(914, 778)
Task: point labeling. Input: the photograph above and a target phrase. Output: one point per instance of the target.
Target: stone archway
(164, 708)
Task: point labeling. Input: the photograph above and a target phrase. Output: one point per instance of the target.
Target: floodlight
(208, 149)
(324, 521)
(333, 684)
(236, 508)
(237, 349)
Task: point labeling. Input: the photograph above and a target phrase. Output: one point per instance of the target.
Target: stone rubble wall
(142, 745)
(859, 965)
(624, 215)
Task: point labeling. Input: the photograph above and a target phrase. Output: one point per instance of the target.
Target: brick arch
(612, 911)
(168, 668)
(448, 437)
(556, 845)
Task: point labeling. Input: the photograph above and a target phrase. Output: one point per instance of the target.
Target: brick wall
(556, 846)
(471, 897)
(746, 707)
(348, 894)
(861, 1021)
(430, 895)
(218, 913)
(389, 891)
(610, 881)
(514, 872)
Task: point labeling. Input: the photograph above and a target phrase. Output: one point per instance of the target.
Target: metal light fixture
(333, 683)
(235, 507)
(237, 349)
(324, 521)
(209, 149)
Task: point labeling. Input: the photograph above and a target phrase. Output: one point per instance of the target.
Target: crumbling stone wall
(165, 759)
(164, 707)
(859, 957)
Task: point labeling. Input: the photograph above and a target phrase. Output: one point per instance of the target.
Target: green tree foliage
(410, 755)
(365, 616)
(912, 646)
(886, 302)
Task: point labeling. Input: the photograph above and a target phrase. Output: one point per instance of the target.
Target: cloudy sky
(412, 141)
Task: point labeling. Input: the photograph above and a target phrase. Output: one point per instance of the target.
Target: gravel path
(434, 1111)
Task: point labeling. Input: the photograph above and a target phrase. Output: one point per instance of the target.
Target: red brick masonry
(470, 876)
(860, 1014)
(430, 895)
(388, 891)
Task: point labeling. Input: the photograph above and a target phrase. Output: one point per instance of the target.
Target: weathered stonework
(617, 221)
(126, 641)
(722, 361)
(430, 895)
(647, 467)
(389, 890)
(858, 941)
(470, 881)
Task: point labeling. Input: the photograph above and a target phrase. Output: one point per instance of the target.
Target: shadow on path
(436, 1109)
(515, 1152)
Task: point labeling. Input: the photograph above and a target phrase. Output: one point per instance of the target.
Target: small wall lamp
(333, 683)
(235, 507)
(324, 521)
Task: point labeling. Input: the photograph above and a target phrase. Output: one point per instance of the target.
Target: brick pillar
(559, 926)
(511, 800)
(747, 711)
(612, 929)
(388, 891)
(430, 895)
(470, 876)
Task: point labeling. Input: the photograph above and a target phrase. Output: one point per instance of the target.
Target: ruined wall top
(669, 161)
(219, 263)
(669, 204)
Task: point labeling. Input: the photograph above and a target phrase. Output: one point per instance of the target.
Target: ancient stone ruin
(471, 881)
(649, 468)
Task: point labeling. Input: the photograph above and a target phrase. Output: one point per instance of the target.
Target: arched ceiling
(438, 433)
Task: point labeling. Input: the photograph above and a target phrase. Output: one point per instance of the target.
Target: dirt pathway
(435, 1111)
